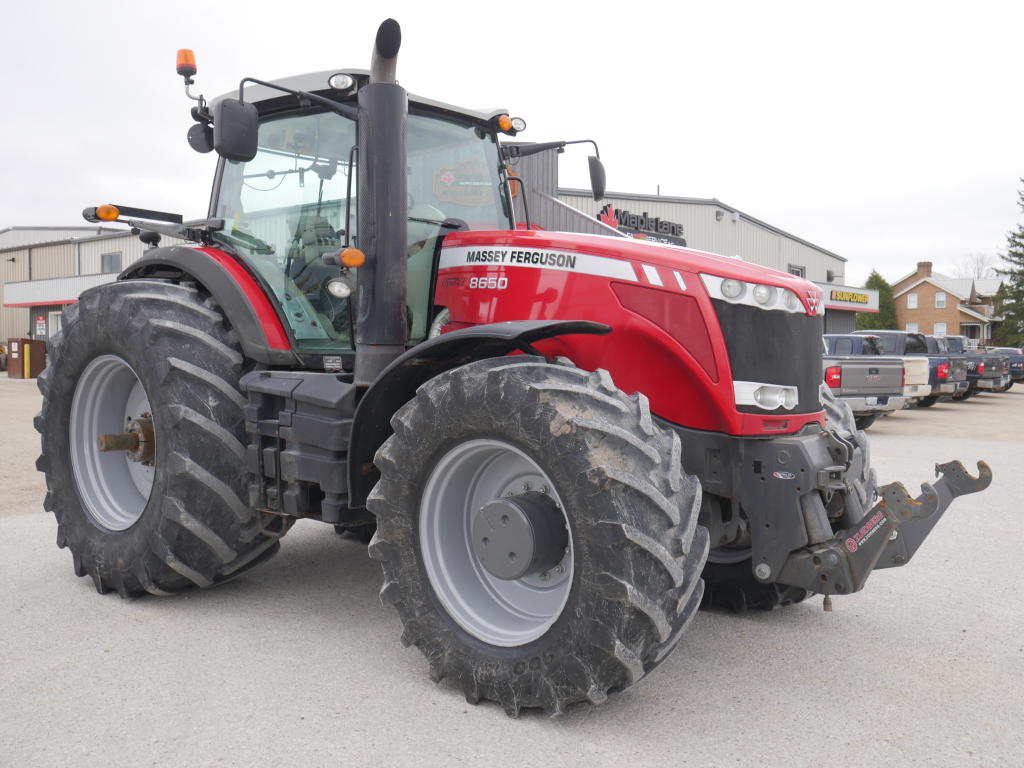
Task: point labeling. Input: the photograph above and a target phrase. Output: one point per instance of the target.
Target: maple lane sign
(641, 226)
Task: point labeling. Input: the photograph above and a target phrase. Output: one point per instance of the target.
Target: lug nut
(763, 571)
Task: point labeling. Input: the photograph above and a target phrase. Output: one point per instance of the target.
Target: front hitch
(888, 535)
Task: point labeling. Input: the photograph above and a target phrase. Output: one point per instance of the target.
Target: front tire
(610, 481)
(183, 521)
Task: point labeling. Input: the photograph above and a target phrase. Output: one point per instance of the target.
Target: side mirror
(235, 130)
(597, 179)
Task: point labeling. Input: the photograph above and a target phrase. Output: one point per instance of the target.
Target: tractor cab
(292, 208)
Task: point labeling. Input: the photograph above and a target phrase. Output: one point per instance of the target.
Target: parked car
(1016, 358)
(870, 384)
(915, 369)
(908, 343)
(939, 345)
(984, 369)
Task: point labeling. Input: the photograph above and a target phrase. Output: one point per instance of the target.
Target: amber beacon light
(186, 63)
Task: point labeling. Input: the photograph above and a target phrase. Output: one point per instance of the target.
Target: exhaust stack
(381, 325)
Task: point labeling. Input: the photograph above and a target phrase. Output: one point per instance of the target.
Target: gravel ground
(298, 663)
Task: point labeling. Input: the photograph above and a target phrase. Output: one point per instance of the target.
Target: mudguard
(399, 381)
(241, 297)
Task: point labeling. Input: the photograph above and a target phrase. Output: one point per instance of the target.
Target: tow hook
(137, 442)
(888, 535)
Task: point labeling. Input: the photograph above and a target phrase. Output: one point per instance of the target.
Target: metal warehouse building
(44, 269)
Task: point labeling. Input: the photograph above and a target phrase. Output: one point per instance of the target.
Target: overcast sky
(886, 132)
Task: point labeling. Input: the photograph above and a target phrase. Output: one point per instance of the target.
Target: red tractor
(560, 444)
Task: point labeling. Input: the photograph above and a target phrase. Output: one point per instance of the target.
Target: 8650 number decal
(492, 283)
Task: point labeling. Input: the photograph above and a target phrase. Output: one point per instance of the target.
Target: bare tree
(979, 266)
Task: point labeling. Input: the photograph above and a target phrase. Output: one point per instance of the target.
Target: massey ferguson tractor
(560, 444)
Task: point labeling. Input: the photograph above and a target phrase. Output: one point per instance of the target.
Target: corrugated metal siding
(52, 261)
(18, 236)
(742, 238)
(57, 290)
(13, 320)
(129, 246)
(840, 321)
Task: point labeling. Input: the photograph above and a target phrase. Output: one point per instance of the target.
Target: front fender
(239, 295)
(397, 383)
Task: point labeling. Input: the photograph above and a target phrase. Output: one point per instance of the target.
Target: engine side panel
(683, 368)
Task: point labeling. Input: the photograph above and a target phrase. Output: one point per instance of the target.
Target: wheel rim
(114, 491)
(497, 611)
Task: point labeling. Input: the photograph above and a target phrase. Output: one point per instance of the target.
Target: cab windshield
(296, 201)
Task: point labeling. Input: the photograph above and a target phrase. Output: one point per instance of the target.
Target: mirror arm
(345, 110)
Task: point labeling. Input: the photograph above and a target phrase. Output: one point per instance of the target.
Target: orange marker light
(505, 123)
(186, 63)
(353, 257)
(107, 213)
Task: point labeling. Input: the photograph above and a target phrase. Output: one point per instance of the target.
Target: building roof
(13, 237)
(989, 286)
(972, 313)
(959, 287)
(60, 237)
(701, 201)
(964, 287)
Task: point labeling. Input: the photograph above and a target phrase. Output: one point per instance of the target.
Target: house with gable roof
(932, 303)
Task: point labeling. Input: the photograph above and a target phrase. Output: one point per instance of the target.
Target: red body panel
(641, 355)
(268, 319)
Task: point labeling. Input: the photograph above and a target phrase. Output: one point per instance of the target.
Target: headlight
(754, 294)
(339, 287)
(732, 289)
(769, 397)
(764, 294)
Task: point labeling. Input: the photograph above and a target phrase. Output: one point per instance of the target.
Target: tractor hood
(642, 259)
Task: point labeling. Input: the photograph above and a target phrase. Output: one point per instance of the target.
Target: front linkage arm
(887, 535)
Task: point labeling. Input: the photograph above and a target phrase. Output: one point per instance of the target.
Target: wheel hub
(112, 442)
(138, 442)
(519, 535)
(486, 488)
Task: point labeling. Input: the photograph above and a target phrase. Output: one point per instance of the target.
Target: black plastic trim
(177, 260)
(397, 383)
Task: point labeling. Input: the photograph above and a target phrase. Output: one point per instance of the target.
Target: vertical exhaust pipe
(381, 325)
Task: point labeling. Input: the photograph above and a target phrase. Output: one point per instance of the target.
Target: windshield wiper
(458, 224)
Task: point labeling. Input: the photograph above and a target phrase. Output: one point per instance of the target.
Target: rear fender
(398, 383)
(238, 293)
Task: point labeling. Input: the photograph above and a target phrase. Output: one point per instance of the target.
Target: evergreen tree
(1010, 302)
(885, 320)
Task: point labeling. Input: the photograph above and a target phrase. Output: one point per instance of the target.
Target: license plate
(871, 400)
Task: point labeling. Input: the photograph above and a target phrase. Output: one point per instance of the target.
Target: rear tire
(729, 577)
(633, 556)
(863, 422)
(194, 528)
(927, 402)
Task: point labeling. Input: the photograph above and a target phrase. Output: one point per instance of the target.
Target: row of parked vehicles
(878, 372)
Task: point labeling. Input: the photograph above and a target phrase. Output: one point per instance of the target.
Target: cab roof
(316, 82)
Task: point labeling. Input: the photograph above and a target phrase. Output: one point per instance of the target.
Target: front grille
(773, 347)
